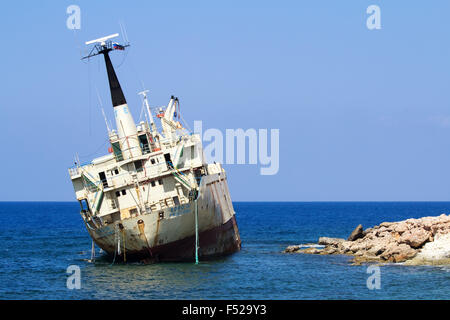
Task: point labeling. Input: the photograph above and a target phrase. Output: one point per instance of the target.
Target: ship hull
(170, 234)
(213, 243)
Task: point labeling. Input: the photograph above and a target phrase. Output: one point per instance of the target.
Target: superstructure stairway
(94, 186)
(179, 176)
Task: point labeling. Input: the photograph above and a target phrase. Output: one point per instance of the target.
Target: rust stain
(138, 193)
(213, 192)
(233, 219)
(141, 226)
(124, 214)
(236, 231)
(155, 242)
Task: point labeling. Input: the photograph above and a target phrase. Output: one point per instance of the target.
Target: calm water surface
(41, 239)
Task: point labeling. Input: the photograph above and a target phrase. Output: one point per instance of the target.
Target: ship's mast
(145, 101)
(125, 124)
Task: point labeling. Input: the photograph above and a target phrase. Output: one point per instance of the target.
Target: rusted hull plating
(215, 242)
(170, 235)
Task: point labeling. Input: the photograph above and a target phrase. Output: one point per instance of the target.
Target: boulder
(291, 249)
(346, 247)
(310, 250)
(330, 241)
(356, 234)
(398, 253)
(358, 245)
(329, 250)
(434, 253)
(415, 237)
(376, 250)
(387, 224)
(401, 227)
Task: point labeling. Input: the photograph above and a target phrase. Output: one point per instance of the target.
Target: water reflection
(152, 281)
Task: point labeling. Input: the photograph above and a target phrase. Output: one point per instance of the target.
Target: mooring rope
(115, 243)
(124, 248)
(93, 251)
(196, 231)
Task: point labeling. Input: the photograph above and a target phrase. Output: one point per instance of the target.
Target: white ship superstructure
(153, 197)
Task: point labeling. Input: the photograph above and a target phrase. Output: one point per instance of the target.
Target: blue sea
(40, 240)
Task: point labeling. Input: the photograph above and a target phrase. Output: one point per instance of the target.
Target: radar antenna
(103, 45)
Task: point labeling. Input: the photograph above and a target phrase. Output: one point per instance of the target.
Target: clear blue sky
(363, 115)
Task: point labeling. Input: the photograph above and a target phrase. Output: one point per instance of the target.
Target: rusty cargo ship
(153, 197)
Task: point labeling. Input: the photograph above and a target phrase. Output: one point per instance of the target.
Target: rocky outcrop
(330, 241)
(436, 252)
(414, 241)
(291, 249)
(356, 234)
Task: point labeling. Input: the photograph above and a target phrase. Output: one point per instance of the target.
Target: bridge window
(144, 143)
(124, 192)
(84, 205)
(133, 212)
(117, 151)
(138, 166)
(102, 176)
(168, 160)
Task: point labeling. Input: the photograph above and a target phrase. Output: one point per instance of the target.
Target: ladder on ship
(179, 176)
(92, 186)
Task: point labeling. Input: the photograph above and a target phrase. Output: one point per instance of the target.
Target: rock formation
(413, 241)
(356, 234)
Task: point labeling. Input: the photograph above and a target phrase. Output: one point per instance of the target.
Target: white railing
(74, 171)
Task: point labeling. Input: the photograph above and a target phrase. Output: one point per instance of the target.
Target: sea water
(40, 240)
